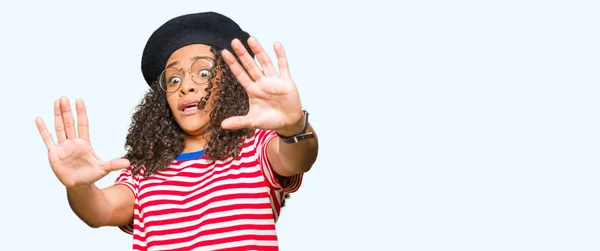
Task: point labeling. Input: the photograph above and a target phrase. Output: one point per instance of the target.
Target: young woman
(213, 150)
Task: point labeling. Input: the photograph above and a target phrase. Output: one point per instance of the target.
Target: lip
(186, 103)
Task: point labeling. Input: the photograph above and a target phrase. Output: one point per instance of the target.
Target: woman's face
(183, 100)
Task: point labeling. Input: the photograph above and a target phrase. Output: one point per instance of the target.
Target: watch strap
(302, 135)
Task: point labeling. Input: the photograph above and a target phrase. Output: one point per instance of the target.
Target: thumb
(116, 164)
(236, 122)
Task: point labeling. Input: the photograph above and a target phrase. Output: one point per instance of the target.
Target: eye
(204, 73)
(174, 80)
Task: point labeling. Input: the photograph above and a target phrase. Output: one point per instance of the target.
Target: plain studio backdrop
(444, 125)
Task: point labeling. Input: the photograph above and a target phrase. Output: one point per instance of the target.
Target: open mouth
(190, 107)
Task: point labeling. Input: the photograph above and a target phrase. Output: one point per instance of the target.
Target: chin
(193, 123)
(194, 128)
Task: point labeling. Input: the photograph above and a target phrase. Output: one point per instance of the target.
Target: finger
(236, 122)
(247, 60)
(58, 123)
(282, 60)
(82, 120)
(236, 69)
(46, 136)
(67, 115)
(263, 58)
(116, 164)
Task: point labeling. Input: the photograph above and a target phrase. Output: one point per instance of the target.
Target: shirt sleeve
(286, 184)
(127, 179)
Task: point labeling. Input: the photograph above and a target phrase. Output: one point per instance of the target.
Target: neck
(195, 143)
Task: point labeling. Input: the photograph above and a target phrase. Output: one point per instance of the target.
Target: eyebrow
(191, 59)
(172, 64)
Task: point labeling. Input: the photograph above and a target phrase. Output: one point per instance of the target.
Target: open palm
(73, 160)
(273, 98)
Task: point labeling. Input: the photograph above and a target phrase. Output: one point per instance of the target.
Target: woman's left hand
(274, 99)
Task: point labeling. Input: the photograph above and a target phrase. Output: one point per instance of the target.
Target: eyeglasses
(200, 72)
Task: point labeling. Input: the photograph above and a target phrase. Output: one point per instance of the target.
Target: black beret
(207, 28)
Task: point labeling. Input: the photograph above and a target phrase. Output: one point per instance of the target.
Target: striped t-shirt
(198, 204)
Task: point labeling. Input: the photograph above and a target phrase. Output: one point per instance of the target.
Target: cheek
(172, 102)
(202, 90)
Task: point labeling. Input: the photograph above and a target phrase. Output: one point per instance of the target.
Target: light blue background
(444, 125)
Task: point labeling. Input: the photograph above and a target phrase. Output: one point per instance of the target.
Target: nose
(188, 85)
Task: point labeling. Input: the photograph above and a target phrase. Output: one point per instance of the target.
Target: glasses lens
(202, 70)
(170, 79)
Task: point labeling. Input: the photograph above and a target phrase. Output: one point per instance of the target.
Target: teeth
(189, 106)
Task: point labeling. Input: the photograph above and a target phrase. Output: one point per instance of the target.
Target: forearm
(90, 204)
(299, 157)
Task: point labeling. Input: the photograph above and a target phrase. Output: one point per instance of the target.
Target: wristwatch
(302, 135)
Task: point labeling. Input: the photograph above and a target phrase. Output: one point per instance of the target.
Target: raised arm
(274, 105)
(77, 166)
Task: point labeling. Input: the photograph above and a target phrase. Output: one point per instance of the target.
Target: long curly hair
(155, 138)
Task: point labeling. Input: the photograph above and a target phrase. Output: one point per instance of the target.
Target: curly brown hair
(155, 138)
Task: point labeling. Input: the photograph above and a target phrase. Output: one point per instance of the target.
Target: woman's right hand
(73, 160)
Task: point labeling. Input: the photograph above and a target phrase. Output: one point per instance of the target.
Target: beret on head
(207, 28)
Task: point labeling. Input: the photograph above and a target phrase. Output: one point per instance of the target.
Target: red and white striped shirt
(198, 204)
